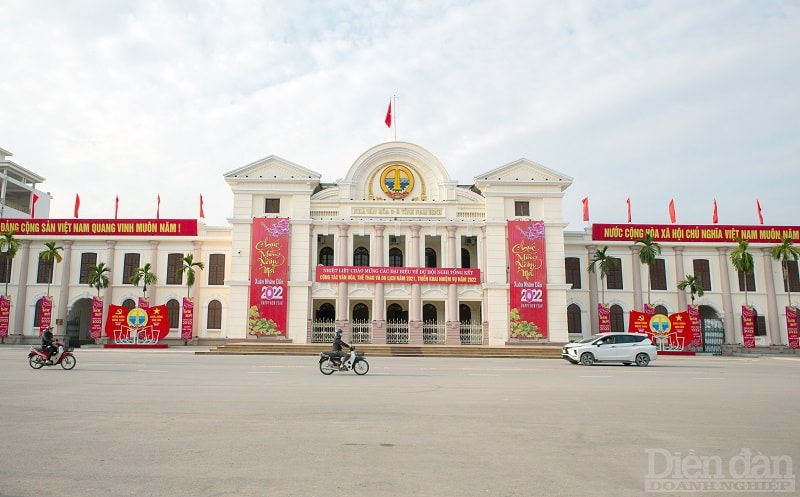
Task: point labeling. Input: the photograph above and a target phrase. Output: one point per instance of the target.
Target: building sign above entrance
(393, 212)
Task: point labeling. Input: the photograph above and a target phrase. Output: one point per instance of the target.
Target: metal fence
(396, 332)
(360, 332)
(434, 332)
(471, 333)
(322, 331)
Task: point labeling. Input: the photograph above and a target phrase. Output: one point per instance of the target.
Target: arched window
(465, 259)
(173, 313)
(395, 257)
(396, 313)
(430, 257)
(37, 314)
(429, 313)
(326, 256)
(617, 319)
(360, 312)
(464, 313)
(660, 309)
(214, 318)
(129, 304)
(326, 312)
(361, 257)
(574, 319)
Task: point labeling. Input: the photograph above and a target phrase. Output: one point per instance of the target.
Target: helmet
(339, 332)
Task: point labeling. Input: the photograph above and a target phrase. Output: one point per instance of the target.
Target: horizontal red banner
(100, 227)
(716, 233)
(424, 275)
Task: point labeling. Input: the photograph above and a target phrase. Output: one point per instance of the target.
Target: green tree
(145, 276)
(785, 252)
(188, 268)
(648, 251)
(10, 246)
(51, 253)
(98, 277)
(604, 263)
(742, 261)
(693, 284)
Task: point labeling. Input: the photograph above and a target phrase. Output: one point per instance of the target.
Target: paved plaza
(171, 423)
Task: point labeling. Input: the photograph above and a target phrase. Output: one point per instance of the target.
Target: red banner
(717, 233)
(269, 275)
(639, 322)
(424, 275)
(748, 327)
(604, 318)
(100, 227)
(791, 327)
(527, 279)
(187, 319)
(682, 329)
(5, 314)
(46, 317)
(144, 303)
(96, 323)
(137, 326)
(697, 333)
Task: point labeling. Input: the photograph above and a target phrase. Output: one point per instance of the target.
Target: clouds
(652, 100)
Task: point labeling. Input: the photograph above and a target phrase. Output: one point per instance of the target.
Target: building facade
(396, 207)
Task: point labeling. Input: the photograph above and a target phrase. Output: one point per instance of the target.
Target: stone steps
(549, 351)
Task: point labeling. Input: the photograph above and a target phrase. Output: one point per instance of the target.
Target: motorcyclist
(338, 343)
(48, 343)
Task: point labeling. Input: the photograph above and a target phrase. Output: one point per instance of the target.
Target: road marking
(596, 376)
(151, 371)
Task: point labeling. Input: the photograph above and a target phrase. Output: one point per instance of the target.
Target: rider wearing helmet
(338, 343)
(47, 343)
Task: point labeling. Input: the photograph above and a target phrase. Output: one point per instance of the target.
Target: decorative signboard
(527, 279)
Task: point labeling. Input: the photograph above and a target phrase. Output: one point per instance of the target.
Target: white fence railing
(396, 332)
(434, 332)
(360, 332)
(471, 333)
(322, 331)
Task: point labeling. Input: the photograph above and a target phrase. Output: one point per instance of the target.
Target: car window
(627, 339)
(638, 338)
(606, 341)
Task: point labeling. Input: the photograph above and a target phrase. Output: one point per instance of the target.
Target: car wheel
(642, 360)
(587, 359)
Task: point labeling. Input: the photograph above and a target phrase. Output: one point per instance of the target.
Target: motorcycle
(37, 357)
(329, 362)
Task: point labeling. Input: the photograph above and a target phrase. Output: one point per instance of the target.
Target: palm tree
(647, 255)
(784, 252)
(604, 263)
(143, 274)
(188, 268)
(97, 276)
(10, 246)
(52, 253)
(693, 284)
(742, 261)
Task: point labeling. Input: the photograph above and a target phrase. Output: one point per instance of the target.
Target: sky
(653, 101)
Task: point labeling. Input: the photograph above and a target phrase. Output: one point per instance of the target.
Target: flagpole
(394, 117)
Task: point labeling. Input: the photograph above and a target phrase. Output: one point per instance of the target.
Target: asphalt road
(171, 423)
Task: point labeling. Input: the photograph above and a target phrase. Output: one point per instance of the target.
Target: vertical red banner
(748, 327)
(527, 275)
(681, 333)
(649, 309)
(604, 318)
(5, 314)
(187, 319)
(791, 327)
(697, 334)
(269, 276)
(46, 317)
(96, 323)
(144, 303)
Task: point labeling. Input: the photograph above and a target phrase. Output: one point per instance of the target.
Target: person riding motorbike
(48, 343)
(338, 343)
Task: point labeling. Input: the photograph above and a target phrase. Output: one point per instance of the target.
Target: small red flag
(715, 218)
(388, 119)
(672, 211)
(33, 205)
(116, 207)
(760, 217)
(202, 214)
(629, 209)
(585, 208)
(77, 205)
(158, 207)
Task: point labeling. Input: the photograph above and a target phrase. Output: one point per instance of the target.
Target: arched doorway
(78, 320)
(712, 330)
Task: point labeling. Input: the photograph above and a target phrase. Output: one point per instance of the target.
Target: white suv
(626, 348)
